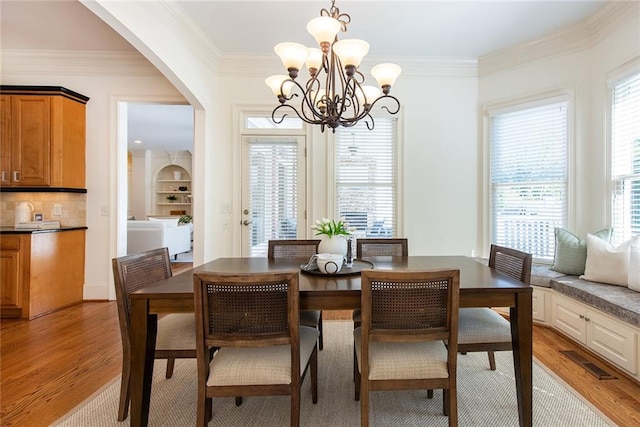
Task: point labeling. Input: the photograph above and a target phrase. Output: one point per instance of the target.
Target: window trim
(528, 101)
(613, 78)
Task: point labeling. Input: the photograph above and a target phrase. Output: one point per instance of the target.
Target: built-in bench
(604, 318)
(617, 301)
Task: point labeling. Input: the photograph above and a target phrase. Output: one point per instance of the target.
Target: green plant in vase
(172, 198)
(333, 235)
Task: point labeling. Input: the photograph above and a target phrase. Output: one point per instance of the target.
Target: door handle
(16, 176)
(246, 222)
(4, 176)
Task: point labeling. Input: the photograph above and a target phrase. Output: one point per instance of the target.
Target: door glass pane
(271, 192)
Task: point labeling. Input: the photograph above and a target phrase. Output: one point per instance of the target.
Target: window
(255, 121)
(366, 177)
(528, 176)
(625, 158)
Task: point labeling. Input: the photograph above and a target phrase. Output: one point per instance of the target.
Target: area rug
(485, 397)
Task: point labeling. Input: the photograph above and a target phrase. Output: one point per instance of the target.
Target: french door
(273, 191)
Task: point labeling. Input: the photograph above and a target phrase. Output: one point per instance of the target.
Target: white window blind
(272, 192)
(625, 158)
(528, 173)
(366, 178)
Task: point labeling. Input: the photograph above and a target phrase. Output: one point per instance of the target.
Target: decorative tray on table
(356, 268)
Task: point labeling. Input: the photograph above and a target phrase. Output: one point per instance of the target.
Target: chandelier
(335, 94)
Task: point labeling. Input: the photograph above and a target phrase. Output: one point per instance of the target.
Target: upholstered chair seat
(482, 325)
(259, 365)
(176, 331)
(398, 361)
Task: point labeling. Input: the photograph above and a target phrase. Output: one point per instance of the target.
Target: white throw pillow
(606, 263)
(634, 267)
(166, 222)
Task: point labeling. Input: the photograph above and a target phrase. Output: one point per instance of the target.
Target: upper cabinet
(43, 137)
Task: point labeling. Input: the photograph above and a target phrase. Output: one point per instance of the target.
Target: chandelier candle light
(335, 94)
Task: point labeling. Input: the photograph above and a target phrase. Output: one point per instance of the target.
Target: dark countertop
(13, 230)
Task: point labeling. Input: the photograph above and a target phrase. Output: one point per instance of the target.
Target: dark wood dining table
(480, 286)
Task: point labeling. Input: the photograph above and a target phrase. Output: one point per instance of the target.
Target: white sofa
(158, 233)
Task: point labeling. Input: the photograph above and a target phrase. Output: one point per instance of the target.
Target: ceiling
(418, 28)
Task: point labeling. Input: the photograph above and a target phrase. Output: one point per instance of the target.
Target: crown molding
(260, 65)
(75, 63)
(575, 38)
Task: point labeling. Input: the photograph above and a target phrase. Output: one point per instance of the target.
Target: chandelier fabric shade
(334, 94)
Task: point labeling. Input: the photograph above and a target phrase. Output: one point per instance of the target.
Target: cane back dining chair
(370, 247)
(252, 320)
(299, 249)
(379, 247)
(406, 317)
(382, 247)
(176, 332)
(482, 329)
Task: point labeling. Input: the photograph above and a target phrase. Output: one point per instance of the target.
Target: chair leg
(445, 401)
(355, 363)
(314, 376)
(453, 407)
(170, 365)
(492, 360)
(238, 400)
(204, 409)
(364, 405)
(356, 325)
(321, 338)
(123, 406)
(295, 404)
(358, 382)
(430, 394)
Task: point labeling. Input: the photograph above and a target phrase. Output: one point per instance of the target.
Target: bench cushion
(616, 301)
(541, 275)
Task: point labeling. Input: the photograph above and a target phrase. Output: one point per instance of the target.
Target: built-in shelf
(166, 184)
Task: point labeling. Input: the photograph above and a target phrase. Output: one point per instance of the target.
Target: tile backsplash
(73, 212)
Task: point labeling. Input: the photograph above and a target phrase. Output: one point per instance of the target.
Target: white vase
(333, 245)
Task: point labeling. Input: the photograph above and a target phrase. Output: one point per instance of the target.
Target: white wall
(584, 71)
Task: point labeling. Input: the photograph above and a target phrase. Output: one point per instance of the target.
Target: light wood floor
(53, 363)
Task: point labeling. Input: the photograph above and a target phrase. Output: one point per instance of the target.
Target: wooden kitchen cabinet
(43, 137)
(11, 261)
(41, 271)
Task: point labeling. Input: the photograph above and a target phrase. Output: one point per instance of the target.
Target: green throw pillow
(571, 251)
